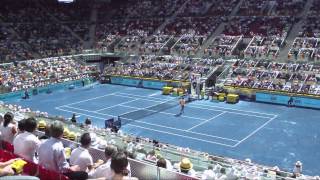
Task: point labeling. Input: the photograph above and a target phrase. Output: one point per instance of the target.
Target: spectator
(151, 156)
(81, 156)
(21, 126)
(186, 167)
(162, 163)
(119, 165)
(52, 155)
(25, 144)
(297, 170)
(8, 128)
(208, 174)
(104, 170)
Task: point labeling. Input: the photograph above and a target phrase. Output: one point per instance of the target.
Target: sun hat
(185, 164)
(42, 125)
(298, 163)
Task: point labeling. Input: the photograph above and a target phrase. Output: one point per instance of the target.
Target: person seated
(119, 166)
(81, 156)
(21, 126)
(8, 128)
(26, 143)
(208, 174)
(104, 170)
(185, 166)
(52, 155)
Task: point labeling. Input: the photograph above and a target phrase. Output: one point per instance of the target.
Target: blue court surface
(267, 134)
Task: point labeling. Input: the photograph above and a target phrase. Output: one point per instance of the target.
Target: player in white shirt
(26, 144)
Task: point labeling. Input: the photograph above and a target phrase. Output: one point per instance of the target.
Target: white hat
(298, 163)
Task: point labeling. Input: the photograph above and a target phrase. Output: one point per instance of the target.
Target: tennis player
(182, 103)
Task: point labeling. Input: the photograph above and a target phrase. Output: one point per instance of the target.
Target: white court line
(192, 132)
(89, 99)
(229, 112)
(143, 123)
(140, 98)
(190, 117)
(255, 131)
(154, 94)
(206, 121)
(58, 108)
(134, 95)
(188, 137)
(109, 107)
(236, 109)
(87, 111)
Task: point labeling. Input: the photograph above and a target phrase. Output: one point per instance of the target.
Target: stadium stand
(167, 36)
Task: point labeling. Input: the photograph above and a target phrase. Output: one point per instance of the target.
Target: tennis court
(267, 134)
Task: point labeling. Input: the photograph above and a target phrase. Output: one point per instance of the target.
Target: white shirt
(208, 174)
(81, 157)
(25, 145)
(102, 171)
(6, 132)
(52, 156)
(105, 171)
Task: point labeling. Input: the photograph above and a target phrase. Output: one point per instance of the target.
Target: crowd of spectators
(288, 7)
(164, 67)
(11, 47)
(262, 26)
(254, 8)
(49, 39)
(315, 8)
(192, 25)
(264, 47)
(155, 44)
(36, 73)
(311, 27)
(222, 8)
(222, 46)
(297, 78)
(305, 48)
(32, 31)
(48, 145)
(195, 8)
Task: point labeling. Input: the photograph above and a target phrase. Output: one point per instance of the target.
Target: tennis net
(148, 111)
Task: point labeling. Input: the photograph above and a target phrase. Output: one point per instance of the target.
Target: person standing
(182, 104)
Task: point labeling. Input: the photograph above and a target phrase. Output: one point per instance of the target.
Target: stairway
(297, 27)
(92, 28)
(236, 9)
(216, 33)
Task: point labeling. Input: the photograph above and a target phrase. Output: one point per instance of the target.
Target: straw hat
(185, 164)
(42, 125)
(66, 133)
(72, 136)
